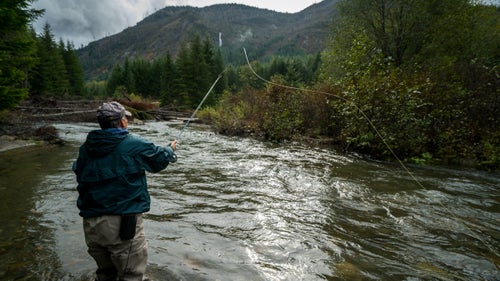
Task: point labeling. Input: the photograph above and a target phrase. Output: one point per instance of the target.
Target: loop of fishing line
(352, 104)
(369, 121)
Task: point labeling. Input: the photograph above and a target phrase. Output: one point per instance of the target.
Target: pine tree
(167, 80)
(116, 79)
(17, 50)
(141, 73)
(200, 70)
(49, 76)
(128, 77)
(156, 74)
(184, 80)
(73, 69)
(215, 67)
(218, 68)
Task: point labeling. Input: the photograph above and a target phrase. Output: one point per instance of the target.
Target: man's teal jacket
(110, 171)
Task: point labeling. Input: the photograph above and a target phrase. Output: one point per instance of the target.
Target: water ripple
(240, 209)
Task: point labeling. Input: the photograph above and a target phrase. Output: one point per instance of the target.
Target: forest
(416, 80)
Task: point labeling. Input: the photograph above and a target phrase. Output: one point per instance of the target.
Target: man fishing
(110, 171)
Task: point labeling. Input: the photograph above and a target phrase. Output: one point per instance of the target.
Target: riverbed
(241, 209)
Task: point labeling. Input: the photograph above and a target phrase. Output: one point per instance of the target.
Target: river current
(241, 209)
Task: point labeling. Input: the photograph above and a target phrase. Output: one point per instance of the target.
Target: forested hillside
(263, 32)
(417, 81)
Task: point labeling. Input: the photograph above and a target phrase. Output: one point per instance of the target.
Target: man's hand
(173, 144)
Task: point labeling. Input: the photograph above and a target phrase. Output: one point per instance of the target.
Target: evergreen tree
(218, 68)
(233, 79)
(313, 68)
(215, 67)
(295, 72)
(143, 78)
(184, 81)
(116, 79)
(128, 77)
(156, 76)
(181, 83)
(167, 80)
(49, 75)
(17, 50)
(277, 66)
(73, 69)
(200, 70)
(209, 57)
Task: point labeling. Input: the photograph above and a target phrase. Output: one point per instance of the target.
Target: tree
(425, 72)
(181, 83)
(144, 78)
(215, 64)
(167, 80)
(218, 68)
(49, 76)
(73, 69)
(116, 79)
(17, 50)
(184, 81)
(200, 69)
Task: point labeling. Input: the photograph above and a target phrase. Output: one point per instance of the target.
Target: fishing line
(414, 178)
(379, 135)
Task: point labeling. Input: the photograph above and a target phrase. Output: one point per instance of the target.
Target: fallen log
(62, 113)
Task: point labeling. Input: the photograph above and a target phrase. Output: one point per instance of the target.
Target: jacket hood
(102, 142)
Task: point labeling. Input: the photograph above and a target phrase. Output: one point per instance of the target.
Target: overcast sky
(84, 21)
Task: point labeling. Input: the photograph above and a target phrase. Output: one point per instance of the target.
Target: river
(240, 209)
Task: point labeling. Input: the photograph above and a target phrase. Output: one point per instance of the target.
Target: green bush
(489, 153)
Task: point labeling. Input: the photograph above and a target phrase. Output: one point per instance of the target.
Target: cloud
(84, 21)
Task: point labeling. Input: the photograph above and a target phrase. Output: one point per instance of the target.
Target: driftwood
(36, 108)
(161, 114)
(62, 113)
(84, 110)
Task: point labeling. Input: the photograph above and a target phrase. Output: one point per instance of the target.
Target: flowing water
(240, 209)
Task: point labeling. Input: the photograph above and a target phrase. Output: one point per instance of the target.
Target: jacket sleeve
(151, 157)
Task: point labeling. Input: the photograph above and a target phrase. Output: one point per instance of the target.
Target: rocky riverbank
(29, 123)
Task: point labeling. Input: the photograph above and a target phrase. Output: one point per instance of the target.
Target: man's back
(111, 175)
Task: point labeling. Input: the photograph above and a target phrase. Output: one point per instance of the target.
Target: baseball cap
(112, 111)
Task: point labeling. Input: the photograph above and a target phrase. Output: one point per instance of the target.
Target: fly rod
(199, 106)
(195, 111)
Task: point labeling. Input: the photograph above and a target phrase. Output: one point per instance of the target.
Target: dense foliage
(182, 82)
(57, 72)
(426, 74)
(31, 64)
(420, 77)
(416, 78)
(263, 32)
(17, 50)
(271, 111)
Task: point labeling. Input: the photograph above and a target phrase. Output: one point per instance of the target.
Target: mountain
(262, 32)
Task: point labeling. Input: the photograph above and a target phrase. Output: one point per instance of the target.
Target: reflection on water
(37, 207)
(239, 209)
